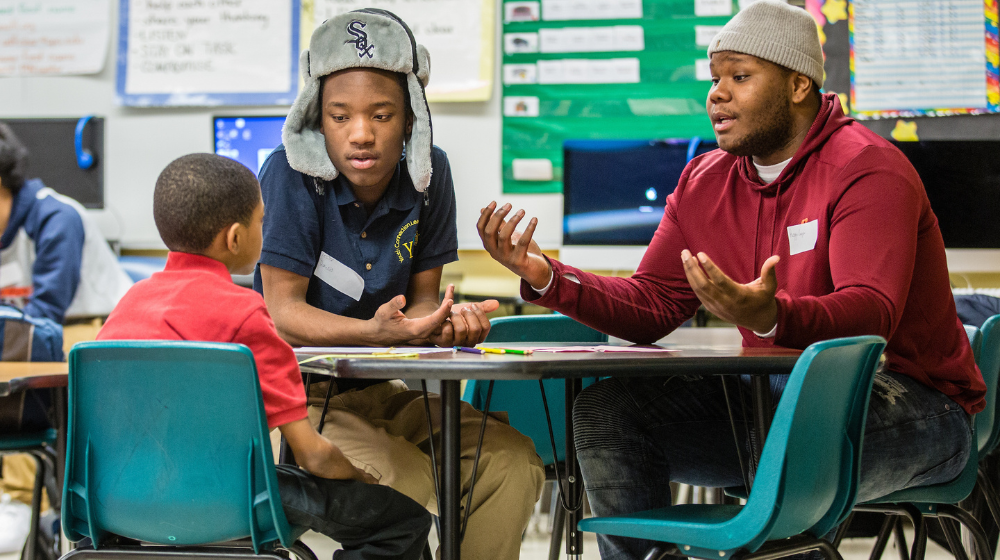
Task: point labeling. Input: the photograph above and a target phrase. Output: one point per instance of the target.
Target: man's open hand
(749, 305)
(514, 250)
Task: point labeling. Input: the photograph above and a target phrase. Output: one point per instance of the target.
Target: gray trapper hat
(368, 38)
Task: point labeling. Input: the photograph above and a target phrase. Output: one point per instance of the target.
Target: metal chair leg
(882, 540)
(31, 545)
(989, 492)
(301, 551)
(970, 523)
(842, 530)
(954, 539)
(558, 529)
(657, 552)
(901, 547)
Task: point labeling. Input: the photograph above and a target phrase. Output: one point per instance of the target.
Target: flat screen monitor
(248, 140)
(614, 191)
(962, 178)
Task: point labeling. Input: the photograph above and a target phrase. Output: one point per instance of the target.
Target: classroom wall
(140, 142)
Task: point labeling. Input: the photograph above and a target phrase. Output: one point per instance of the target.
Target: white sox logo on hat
(360, 42)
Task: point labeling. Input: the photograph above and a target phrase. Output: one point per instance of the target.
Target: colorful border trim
(992, 75)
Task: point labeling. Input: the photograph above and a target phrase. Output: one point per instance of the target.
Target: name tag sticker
(339, 276)
(802, 237)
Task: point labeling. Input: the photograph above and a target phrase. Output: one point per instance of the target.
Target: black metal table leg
(451, 484)
(761, 391)
(574, 483)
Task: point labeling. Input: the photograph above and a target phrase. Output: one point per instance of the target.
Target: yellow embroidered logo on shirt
(407, 246)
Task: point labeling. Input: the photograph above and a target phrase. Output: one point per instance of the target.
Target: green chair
(522, 400)
(938, 500)
(807, 479)
(38, 444)
(989, 360)
(168, 444)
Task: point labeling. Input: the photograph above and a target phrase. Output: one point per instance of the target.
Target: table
(695, 355)
(19, 376)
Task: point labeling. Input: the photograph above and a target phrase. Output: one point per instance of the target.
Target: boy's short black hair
(199, 195)
(13, 160)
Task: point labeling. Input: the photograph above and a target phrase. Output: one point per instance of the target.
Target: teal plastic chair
(38, 444)
(938, 500)
(807, 480)
(522, 400)
(168, 444)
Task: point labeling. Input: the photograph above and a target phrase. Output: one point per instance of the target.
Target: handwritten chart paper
(53, 37)
(208, 52)
(924, 57)
(457, 33)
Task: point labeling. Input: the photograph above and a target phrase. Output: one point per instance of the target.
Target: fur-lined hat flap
(368, 38)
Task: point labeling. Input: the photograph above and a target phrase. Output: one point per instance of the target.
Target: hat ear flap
(418, 150)
(423, 65)
(305, 145)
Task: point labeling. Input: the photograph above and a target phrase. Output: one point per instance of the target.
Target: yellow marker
(492, 350)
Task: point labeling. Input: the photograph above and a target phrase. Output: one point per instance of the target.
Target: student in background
(355, 239)
(835, 221)
(209, 213)
(54, 262)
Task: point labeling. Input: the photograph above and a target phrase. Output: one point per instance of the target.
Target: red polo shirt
(194, 298)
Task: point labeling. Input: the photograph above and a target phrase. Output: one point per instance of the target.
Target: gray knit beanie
(776, 32)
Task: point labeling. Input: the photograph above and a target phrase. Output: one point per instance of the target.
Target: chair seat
(29, 440)
(696, 525)
(950, 492)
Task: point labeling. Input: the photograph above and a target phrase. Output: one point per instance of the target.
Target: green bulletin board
(667, 102)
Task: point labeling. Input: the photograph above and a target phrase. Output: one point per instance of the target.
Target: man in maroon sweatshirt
(804, 226)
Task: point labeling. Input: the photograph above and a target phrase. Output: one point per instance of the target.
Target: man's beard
(772, 134)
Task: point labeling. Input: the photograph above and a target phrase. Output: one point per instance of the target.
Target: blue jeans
(636, 435)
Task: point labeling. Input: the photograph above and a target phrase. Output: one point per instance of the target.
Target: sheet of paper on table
(364, 350)
(599, 348)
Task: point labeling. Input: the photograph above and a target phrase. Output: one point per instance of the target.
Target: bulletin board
(459, 34)
(198, 53)
(599, 69)
(924, 58)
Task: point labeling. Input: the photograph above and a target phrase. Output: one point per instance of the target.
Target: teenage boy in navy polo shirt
(354, 243)
(209, 212)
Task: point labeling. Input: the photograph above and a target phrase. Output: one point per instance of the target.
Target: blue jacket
(56, 232)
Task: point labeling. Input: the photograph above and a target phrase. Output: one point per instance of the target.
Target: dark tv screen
(962, 179)
(614, 191)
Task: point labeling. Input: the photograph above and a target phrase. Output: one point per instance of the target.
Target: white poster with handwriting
(53, 37)
(190, 49)
(452, 31)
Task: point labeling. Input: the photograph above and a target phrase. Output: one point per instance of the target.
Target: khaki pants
(18, 478)
(383, 430)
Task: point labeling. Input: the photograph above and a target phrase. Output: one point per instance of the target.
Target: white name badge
(339, 276)
(802, 238)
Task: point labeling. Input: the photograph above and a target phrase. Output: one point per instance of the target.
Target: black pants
(371, 522)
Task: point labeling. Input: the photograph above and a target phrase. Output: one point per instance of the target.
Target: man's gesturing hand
(749, 305)
(514, 250)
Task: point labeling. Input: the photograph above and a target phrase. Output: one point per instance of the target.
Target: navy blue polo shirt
(355, 261)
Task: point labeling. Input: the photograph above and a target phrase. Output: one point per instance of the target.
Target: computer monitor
(962, 179)
(614, 192)
(248, 140)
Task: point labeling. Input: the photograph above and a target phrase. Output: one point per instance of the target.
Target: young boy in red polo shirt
(209, 212)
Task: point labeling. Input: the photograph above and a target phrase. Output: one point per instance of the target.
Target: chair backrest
(543, 328)
(988, 358)
(808, 475)
(168, 443)
(521, 399)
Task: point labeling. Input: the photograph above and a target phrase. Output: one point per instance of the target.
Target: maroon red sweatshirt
(875, 264)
